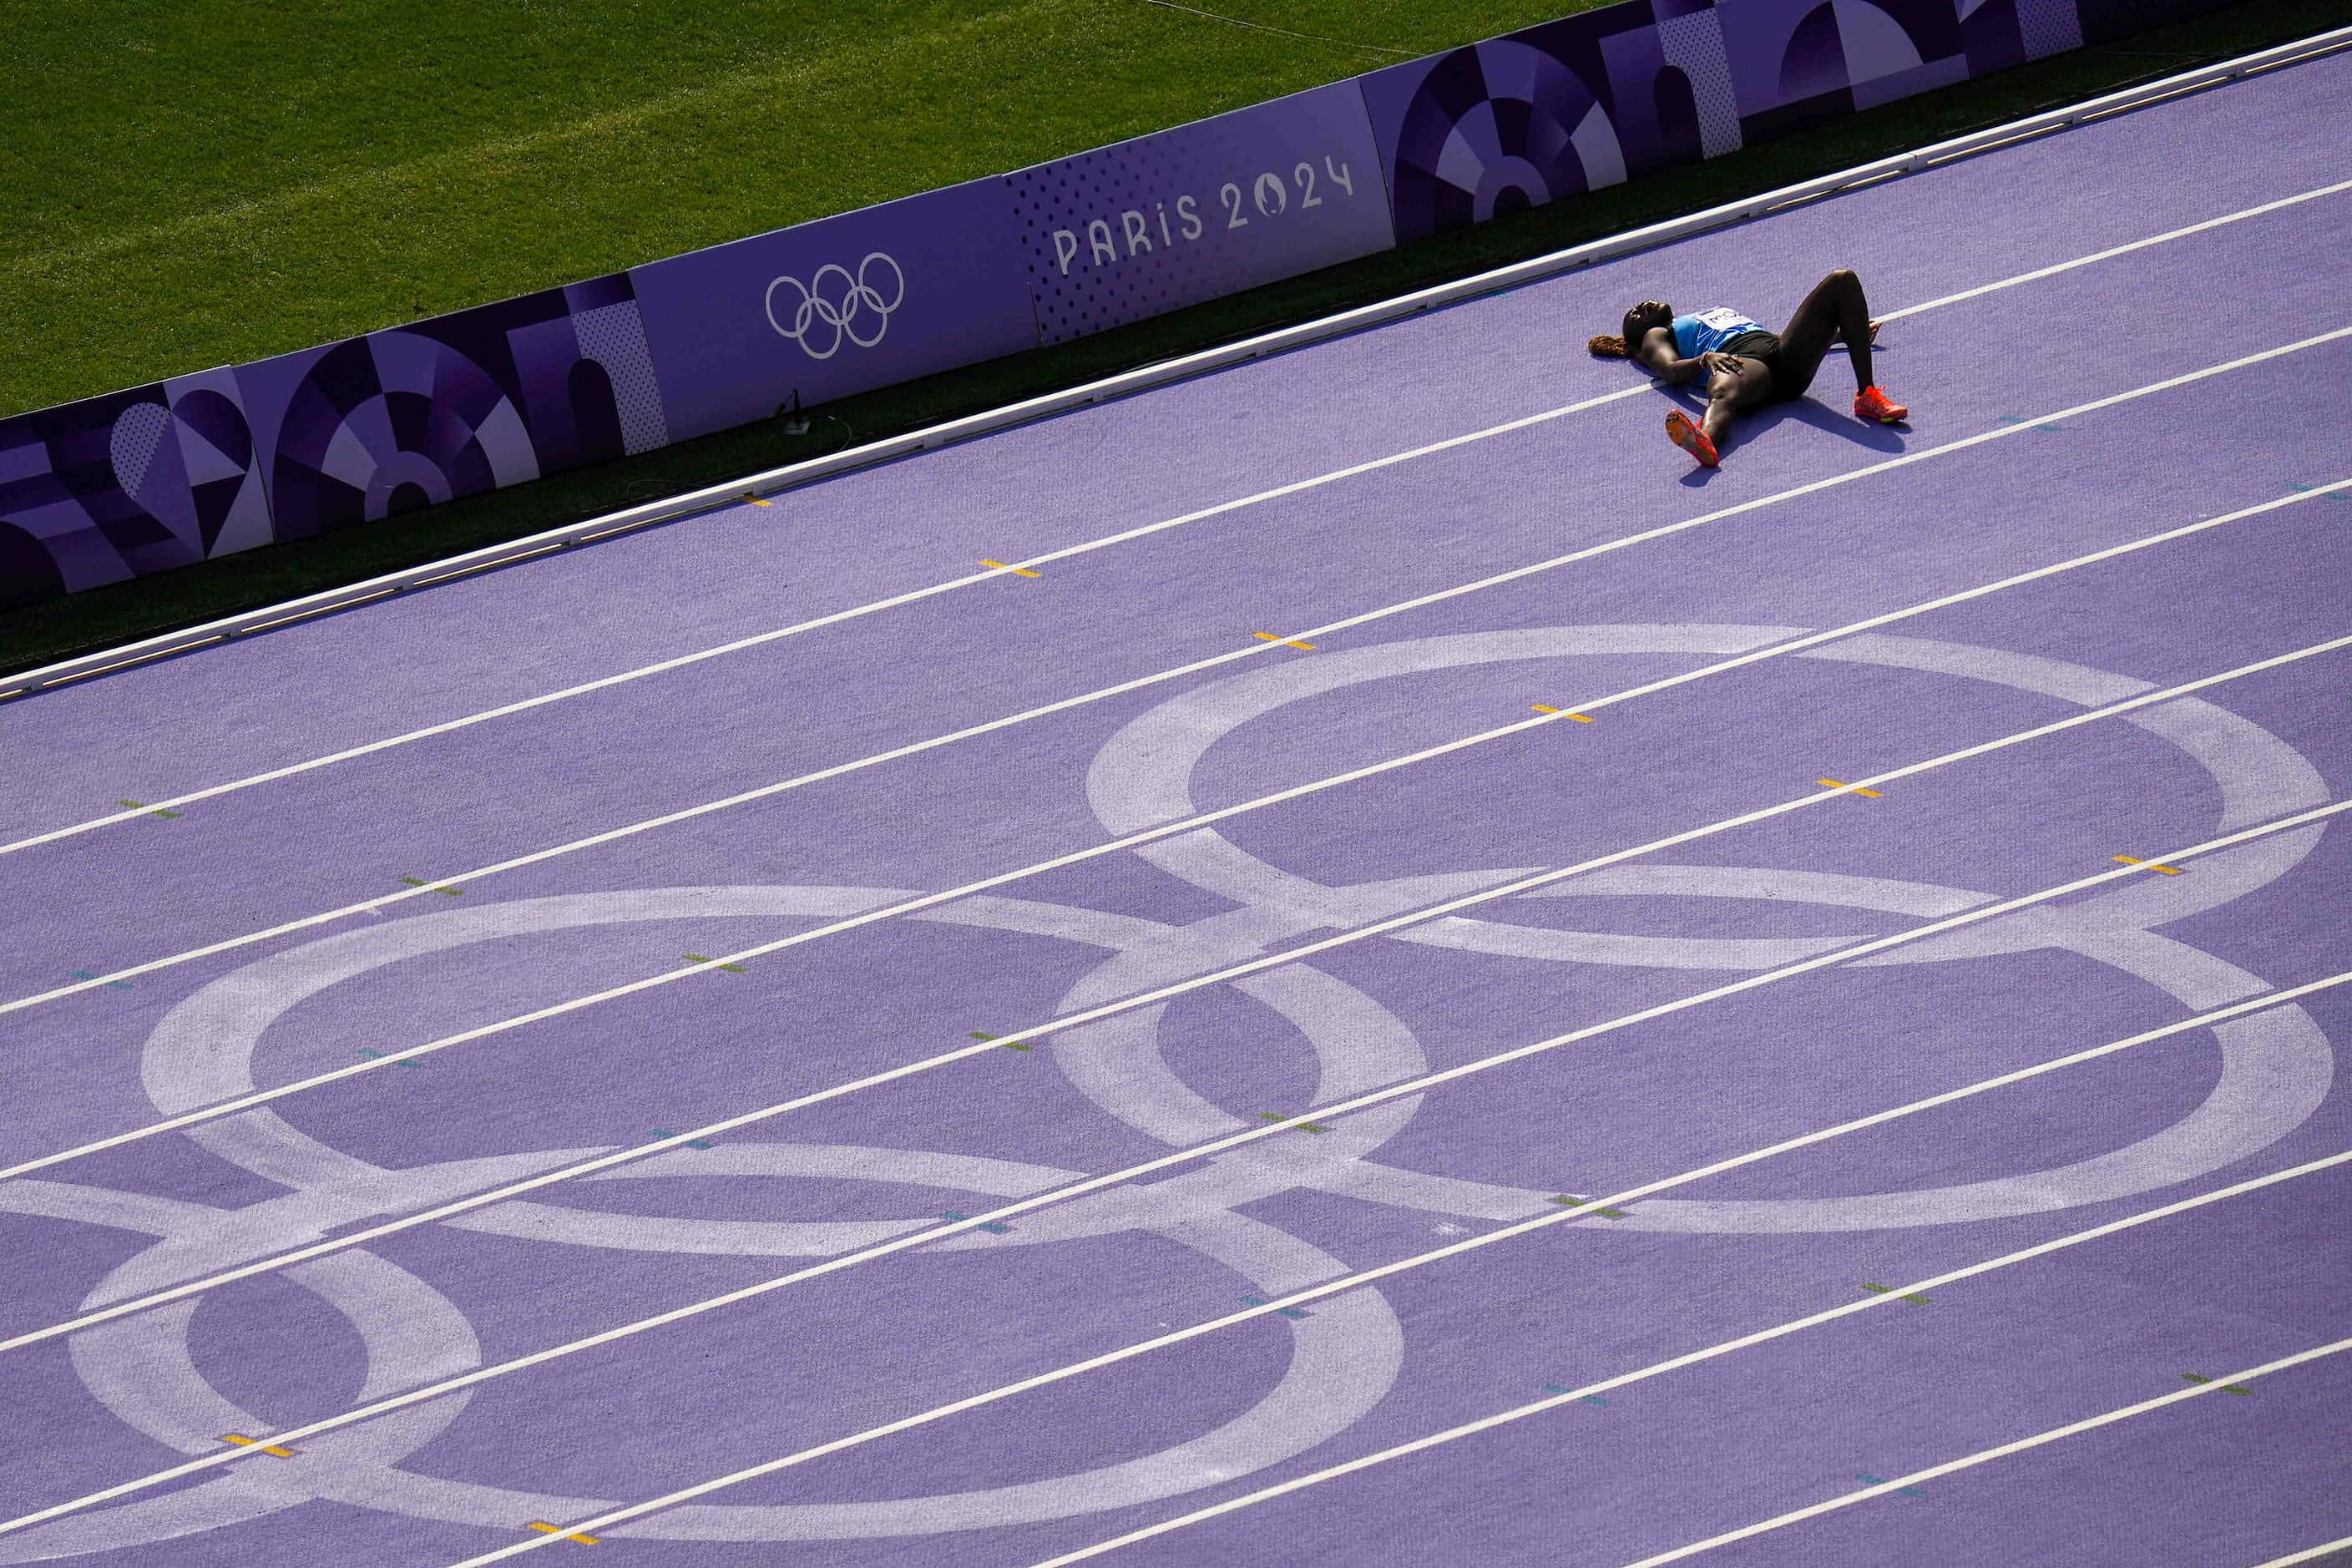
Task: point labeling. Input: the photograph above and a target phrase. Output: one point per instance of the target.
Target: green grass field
(183, 185)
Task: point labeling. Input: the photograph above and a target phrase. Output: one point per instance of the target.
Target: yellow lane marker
(1857, 789)
(755, 501)
(242, 1441)
(1017, 571)
(2168, 871)
(1548, 707)
(558, 1530)
(1287, 642)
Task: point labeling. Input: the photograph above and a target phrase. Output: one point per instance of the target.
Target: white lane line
(1999, 433)
(818, 623)
(2113, 251)
(2309, 1554)
(698, 1308)
(1984, 1456)
(1064, 704)
(1583, 1213)
(2176, 855)
(524, 705)
(1691, 1358)
(1067, 1021)
(604, 1161)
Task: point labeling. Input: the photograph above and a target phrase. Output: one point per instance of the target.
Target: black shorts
(1765, 347)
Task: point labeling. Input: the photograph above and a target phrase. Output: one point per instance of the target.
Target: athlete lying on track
(1746, 366)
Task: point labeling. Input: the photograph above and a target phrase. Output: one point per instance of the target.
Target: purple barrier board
(410, 417)
(841, 305)
(1168, 220)
(178, 472)
(135, 481)
(1573, 105)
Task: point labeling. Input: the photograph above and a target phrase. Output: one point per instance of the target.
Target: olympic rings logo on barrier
(840, 311)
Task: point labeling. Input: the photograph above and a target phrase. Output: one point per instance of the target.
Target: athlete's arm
(1657, 355)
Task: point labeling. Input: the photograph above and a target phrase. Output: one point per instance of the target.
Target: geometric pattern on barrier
(171, 474)
(2272, 1070)
(418, 415)
(2048, 28)
(1694, 46)
(1794, 65)
(1464, 136)
(387, 424)
(1494, 128)
(614, 336)
(1576, 104)
(138, 480)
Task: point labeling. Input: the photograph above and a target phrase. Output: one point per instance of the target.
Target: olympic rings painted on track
(841, 310)
(2274, 1067)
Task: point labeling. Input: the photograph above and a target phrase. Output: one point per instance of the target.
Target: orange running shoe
(1871, 404)
(1690, 438)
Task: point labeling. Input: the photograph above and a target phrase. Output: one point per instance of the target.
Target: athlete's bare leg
(1834, 310)
(1727, 394)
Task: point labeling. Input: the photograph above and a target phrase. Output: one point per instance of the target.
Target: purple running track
(148, 976)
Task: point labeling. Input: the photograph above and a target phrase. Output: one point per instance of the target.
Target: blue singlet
(1710, 330)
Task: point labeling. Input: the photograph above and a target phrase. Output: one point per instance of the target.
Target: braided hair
(1637, 323)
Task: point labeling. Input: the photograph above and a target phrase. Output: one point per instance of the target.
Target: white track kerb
(791, 477)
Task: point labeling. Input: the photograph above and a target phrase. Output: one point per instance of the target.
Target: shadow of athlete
(1745, 365)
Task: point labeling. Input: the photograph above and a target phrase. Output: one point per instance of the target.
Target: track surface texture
(1409, 980)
